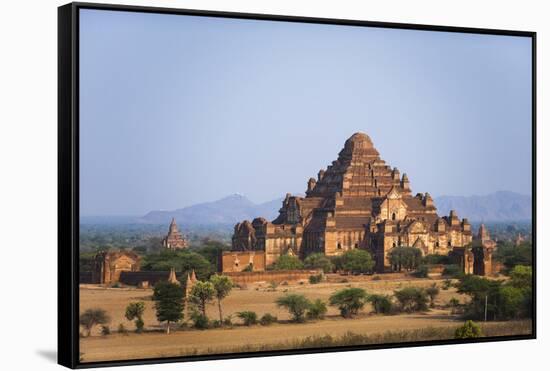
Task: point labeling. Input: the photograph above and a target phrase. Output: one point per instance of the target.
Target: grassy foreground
(351, 338)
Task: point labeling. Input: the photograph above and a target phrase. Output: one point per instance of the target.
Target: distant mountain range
(495, 207)
(500, 206)
(228, 210)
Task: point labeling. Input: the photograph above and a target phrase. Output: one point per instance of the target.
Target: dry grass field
(259, 298)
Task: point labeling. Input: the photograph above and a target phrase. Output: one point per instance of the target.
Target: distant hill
(495, 207)
(500, 206)
(228, 210)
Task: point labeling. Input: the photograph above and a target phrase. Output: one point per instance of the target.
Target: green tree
(319, 261)
(357, 261)
(201, 294)
(92, 317)
(169, 304)
(380, 303)
(432, 292)
(222, 287)
(412, 299)
(521, 276)
(287, 262)
(134, 311)
(211, 251)
(484, 294)
(182, 260)
(404, 257)
(317, 310)
(469, 330)
(510, 255)
(296, 304)
(349, 301)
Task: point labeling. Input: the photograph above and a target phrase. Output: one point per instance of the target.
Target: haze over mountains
(495, 207)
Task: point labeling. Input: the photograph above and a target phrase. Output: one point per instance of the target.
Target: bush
(122, 329)
(381, 304)
(215, 323)
(349, 301)
(319, 261)
(228, 321)
(453, 270)
(200, 321)
(436, 259)
(287, 262)
(134, 311)
(357, 261)
(432, 292)
(412, 299)
(249, 318)
(296, 304)
(249, 268)
(92, 317)
(105, 330)
(421, 271)
(469, 330)
(315, 278)
(267, 319)
(317, 310)
(447, 284)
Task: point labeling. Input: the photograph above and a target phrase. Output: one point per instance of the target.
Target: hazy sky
(177, 110)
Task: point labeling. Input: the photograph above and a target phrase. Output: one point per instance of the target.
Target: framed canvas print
(241, 185)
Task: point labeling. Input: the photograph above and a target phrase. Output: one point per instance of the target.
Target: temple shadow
(50, 355)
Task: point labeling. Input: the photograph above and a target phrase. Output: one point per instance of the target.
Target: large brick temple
(357, 202)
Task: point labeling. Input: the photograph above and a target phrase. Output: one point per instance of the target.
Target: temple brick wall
(237, 261)
(241, 278)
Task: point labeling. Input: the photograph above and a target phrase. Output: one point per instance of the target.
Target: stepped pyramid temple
(174, 240)
(357, 202)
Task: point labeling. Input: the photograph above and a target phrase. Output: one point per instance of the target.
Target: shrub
(380, 303)
(267, 319)
(122, 329)
(421, 271)
(249, 268)
(432, 292)
(92, 317)
(216, 323)
(453, 270)
(319, 261)
(134, 311)
(228, 321)
(436, 259)
(357, 261)
(200, 321)
(349, 301)
(317, 310)
(447, 284)
(249, 318)
(105, 330)
(412, 299)
(296, 304)
(287, 262)
(468, 331)
(315, 278)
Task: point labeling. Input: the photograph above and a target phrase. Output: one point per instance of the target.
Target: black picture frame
(68, 177)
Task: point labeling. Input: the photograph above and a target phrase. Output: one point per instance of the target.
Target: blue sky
(176, 110)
